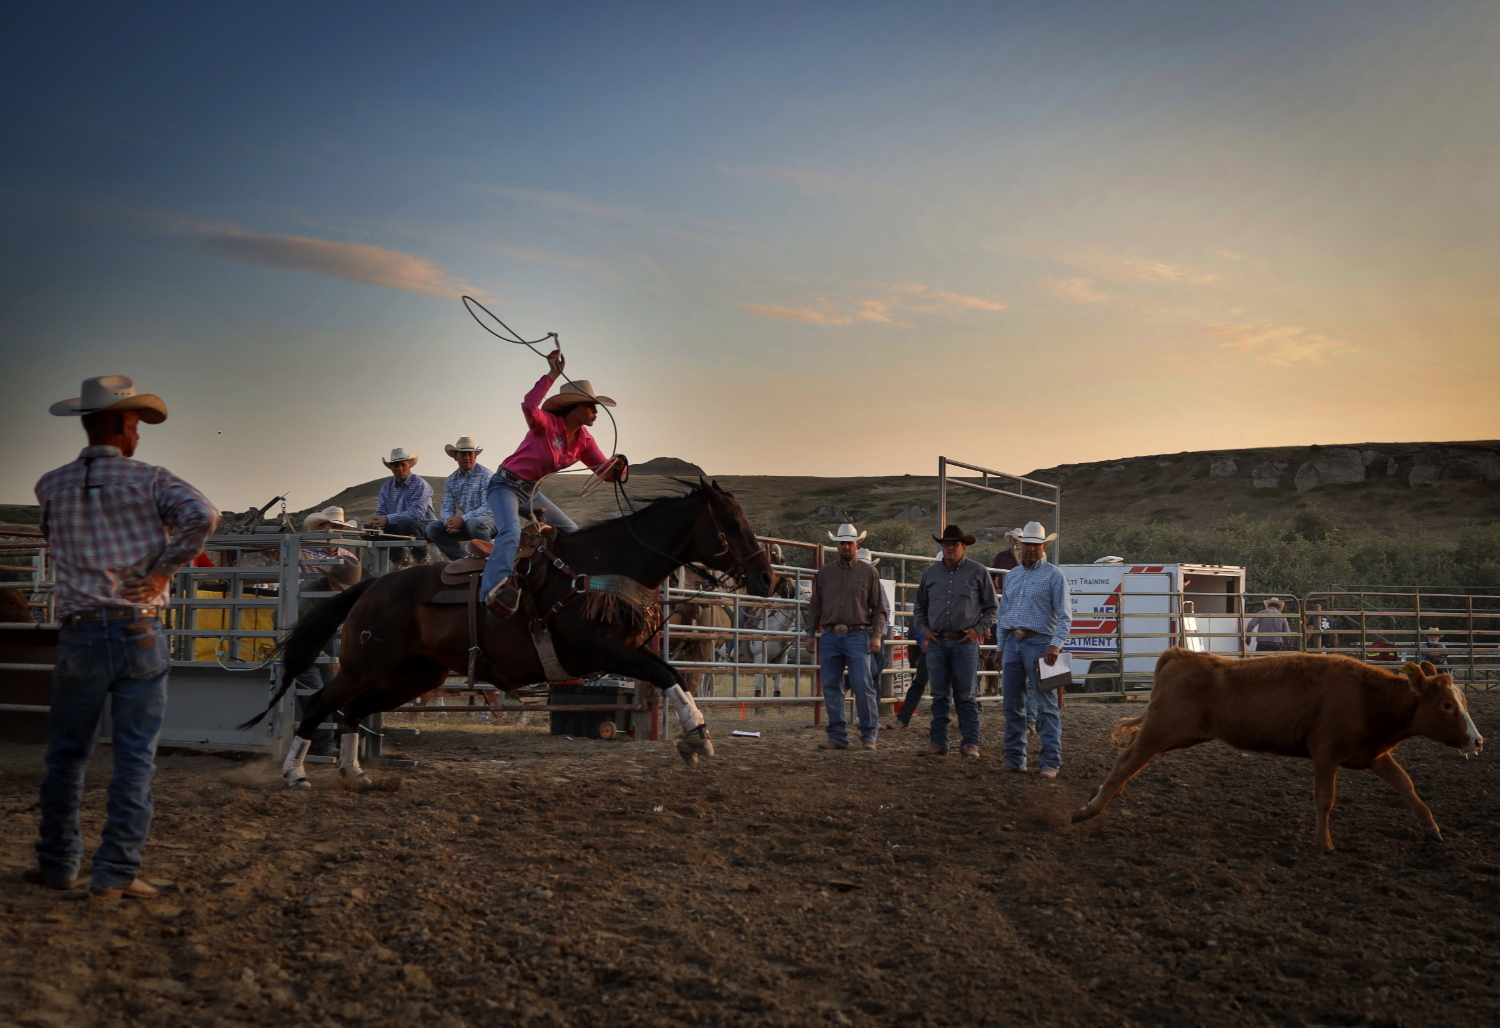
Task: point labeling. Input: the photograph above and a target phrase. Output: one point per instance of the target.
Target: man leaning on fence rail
(955, 604)
(118, 530)
(846, 617)
(1036, 614)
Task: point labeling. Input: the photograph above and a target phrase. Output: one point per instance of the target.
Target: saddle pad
(450, 596)
(457, 572)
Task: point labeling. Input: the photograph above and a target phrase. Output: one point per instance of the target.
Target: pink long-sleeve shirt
(545, 449)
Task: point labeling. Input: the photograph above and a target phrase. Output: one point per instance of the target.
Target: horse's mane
(695, 489)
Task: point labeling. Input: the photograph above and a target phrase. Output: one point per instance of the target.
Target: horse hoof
(300, 783)
(1435, 834)
(686, 753)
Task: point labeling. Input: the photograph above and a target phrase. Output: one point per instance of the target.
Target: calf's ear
(1418, 680)
(1428, 668)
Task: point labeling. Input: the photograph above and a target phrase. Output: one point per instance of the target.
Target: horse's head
(724, 541)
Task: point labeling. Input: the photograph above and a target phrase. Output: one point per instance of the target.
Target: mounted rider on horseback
(558, 438)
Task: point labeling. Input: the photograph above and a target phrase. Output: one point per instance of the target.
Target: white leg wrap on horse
(291, 768)
(349, 755)
(687, 711)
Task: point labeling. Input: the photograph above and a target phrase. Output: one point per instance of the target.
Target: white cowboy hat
(1434, 630)
(330, 517)
(465, 444)
(848, 534)
(1274, 602)
(572, 394)
(1034, 533)
(864, 554)
(399, 454)
(1014, 534)
(112, 392)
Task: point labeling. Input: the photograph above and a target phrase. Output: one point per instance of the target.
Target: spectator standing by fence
(1035, 618)
(118, 530)
(846, 616)
(404, 506)
(1267, 630)
(955, 604)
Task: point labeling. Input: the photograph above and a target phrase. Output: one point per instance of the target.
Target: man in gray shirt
(955, 604)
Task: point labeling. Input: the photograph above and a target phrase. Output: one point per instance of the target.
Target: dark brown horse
(397, 644)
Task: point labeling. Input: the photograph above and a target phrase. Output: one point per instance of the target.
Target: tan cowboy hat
(112, 392)
(398, 455)
(572, 394)
(1434, 630)
(847, 533)
(465, 444)
(1034, 533)
(1014, 535)
(328, 517)
(1274, 602)
(954, 534)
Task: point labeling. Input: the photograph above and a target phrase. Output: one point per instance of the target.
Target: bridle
(741, 562)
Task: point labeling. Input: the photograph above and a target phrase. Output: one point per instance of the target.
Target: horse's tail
(299, 650)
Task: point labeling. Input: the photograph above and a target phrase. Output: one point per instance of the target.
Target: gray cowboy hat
(112, 392)
(399, 454)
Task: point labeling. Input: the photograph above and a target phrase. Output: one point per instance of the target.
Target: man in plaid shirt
(118, 530)
(465, 513)
(404, 506)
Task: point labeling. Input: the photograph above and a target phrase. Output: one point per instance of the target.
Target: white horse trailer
(1125, 615)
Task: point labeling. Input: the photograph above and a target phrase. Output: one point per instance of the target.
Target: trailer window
(1223, 598)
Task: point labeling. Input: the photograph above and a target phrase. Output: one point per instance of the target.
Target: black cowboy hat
(954, 534)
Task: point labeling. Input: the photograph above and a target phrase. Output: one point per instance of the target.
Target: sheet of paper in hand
(1061, 673)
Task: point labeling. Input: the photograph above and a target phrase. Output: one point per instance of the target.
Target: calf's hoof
(1081, 814)
(1434, 833)
(686, 753)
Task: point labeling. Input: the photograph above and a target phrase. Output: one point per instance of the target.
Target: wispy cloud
(1136, 268)
(1078, 290)
(352, 262)
(807, 181)
(902, 298)
(1283, 345)
(569, 203)
(824, 311)
(533, 255)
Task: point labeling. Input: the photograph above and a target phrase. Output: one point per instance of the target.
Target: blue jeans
(1016, 681)
(481, 527)
(851, 652)
(414, 528)
(98, 663)
(953, 674)
(509, 507)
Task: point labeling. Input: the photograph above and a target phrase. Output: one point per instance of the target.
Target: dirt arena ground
(518, 878)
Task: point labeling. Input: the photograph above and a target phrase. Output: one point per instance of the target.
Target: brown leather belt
(1020, 633)
(109, 614)
(845, 629)
(951, 636)
(515, 479)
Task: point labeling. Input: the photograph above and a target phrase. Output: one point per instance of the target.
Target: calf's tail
(299, 650)
(1125, 730)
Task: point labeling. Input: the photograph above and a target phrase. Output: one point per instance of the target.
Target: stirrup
(503, 599)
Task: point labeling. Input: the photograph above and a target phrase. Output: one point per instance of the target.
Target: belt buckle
(1018, 633)
(840, 629)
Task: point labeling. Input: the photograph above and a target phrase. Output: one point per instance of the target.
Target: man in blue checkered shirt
(465, 513)
(1036, 614)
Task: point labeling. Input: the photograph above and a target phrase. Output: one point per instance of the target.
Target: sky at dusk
(828, 239)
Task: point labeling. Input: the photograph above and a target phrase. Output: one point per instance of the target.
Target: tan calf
(1334, 710)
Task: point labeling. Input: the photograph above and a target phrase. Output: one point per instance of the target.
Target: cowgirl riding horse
(558, 439)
